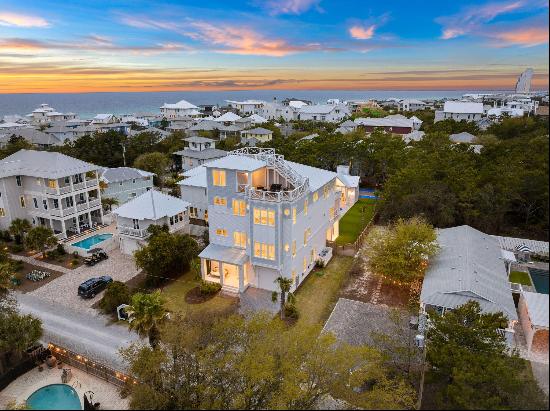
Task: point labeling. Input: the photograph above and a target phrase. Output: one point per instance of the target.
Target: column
(63, 228)
(89, 214)
(241, 277)
(220, 264)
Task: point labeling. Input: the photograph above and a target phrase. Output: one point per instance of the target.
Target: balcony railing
(91, 183)
(81, 206)
(79, 186)
(64, 190)
(95, 203)
(134, 232)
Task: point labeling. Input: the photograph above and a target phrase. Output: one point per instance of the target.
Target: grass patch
(317, 296)
(520, 277)
(175, 293)
(355, 220)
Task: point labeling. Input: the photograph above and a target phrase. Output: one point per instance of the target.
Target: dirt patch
(64, 261)
(194, 296)
(26, 285)
(137, 283)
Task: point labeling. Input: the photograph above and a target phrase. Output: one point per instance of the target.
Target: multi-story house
(256, 135)
(276, 111)
(50, 189)
(125, 183)
(460, 110)
(180, 109)
(246, 107)
(193, 189)
(199, 151)
(150, 208)
(46, 114)
(332, 113)
(267, 217)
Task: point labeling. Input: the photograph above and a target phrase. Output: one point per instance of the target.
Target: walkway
(254, 300)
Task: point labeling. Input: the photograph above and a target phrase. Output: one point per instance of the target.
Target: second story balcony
(133, 232)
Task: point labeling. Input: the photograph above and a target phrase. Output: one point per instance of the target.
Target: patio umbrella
(522, 248)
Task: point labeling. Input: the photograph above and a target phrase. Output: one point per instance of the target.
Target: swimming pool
(540, 280)
(54, 397)
(367, 193)
(90, 242)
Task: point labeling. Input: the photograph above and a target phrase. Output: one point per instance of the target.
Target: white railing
(95, 203)
(134, 232)
(277, 162)
(79, 186)
(50, 190)
(82, 206)
(64, 190)
(56, 212)
(91, 183)
(68, 211)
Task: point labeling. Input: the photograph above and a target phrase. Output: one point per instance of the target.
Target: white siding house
(125, 183)
(460, 110)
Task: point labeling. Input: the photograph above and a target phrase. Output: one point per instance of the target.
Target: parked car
(90, 288)
(97, 255)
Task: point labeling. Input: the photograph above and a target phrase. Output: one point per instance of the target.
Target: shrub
(116, 293)
(75, 254)
(17, 248)
(18, 265)
(319, 273)
(291, 311)
(60, 249)
(74, 262)
(319, 264)
(208, 288)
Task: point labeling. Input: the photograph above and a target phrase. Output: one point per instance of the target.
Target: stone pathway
(254, 300)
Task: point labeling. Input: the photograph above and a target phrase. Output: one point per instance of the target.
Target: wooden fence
(90, 366)
(352, 248)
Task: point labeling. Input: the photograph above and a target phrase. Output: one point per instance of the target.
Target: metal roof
(463, 137)
(257, 130)
(209, 153)
(230, 255)
(511, 244)
(537, 306)
(152, 205)
(463, 107)
(469, 266)
(117, 174)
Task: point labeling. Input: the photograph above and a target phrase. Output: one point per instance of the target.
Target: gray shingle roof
(469, 266)
(203, 154)
(463, 137)
(115, 175)
(258, 130)
(43, 164)
(34, 136)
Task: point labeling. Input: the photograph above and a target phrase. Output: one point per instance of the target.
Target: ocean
(87, 105)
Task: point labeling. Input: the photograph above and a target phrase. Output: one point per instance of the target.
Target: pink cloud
(21, 20)
(524, 36)
(361, 32)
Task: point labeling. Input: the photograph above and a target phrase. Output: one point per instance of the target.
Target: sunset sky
(77, 46)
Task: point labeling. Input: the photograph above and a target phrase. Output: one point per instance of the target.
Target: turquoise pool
(92, 241)
(540, 280)
(54, 397)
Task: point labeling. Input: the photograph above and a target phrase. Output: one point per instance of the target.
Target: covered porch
(227, 266)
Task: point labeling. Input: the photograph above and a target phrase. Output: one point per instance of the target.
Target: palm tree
(18, 228)
(284, 284)
(40, 238)
(146, 313)
(6, 274)
(108, 203)
(103, 185)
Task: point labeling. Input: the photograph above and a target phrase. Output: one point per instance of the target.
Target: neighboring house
(180, 109)
(417, 123)
(267, 217)
(348, 186)
(199, 151)
(193, 190)
(228, 118)
(514, 245)
(50, 189)
(102, 119)
(460, 110)
(411, 105)
(122, 128)
(332, 113)
(246, 107)
(151, 208)
(37, 138)
(62, 132)
(346, 127)
(468, 267)
(464, 138)
(46, 114)
(125, 183)
(261, 135)
(533, 316)
(397, 124)
(276, 111)
(415, 135)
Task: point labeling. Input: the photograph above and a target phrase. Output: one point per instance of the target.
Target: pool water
(367, 193)
(90, 242)
(540, 280)
(54, 397)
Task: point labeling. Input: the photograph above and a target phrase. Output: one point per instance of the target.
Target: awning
(229, 255)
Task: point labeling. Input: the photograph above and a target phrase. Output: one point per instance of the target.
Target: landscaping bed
(66, 261)
(355, 220)
(26, 285)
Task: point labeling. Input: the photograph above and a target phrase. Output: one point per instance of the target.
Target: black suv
(90, 288)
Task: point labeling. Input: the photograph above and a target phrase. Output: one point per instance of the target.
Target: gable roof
(318, 109)
(257, 130)
(182, 104)
(469, 266)
(46, 164)
(118, 174)
(463, 137)
(463, 107)
(537, 305)
(229, 116)
(34, 136)
(152, 205)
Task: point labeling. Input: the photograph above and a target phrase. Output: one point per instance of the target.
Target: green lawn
(318, 295)
(520, 277)
(355, 220)
(176, 291)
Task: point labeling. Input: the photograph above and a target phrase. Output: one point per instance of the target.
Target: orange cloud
(361, 32)
(21, 20)
(527, 36)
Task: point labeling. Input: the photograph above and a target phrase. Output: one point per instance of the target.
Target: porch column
(203, 268)
(89, 214)
(77, 224)
(221, 272)
(240, 268)
(63, 228)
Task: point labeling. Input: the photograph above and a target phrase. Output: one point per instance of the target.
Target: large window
(307, 234)
(306, 205)
(239, 207)
(239, 239)
(220, 201)
(263, 250)
(264, 217)
(218, 178)
(315, 196)
(52, 183)
(293, 248)
(2, 212)
(293, 215)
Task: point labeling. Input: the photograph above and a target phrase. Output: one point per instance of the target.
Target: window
(264, 217)
(52, 183)
(315, 196)
(18, 180)
(45, 204)
(206, 215)
(69, 201)
(307, 234)
(221, 231)
(193, 212)
(312, 255)
(133, 181)
(239, 239)
(304, 264)
(55, 203)
(293, 248)
(306, 204)
(331, 212)
(325, 192)
(263, 250)
(22, 201)
(35, 202)
(287, 212)
(287, 247)
(171, 220)
(293, 215)
(239, 207)
(220, 201)
(135, 223)
(218, 178)
(2, 212)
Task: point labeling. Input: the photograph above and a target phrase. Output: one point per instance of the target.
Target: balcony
(95, 203)
(79, 186)
(133, 232)
(81, 206)
(65, 190)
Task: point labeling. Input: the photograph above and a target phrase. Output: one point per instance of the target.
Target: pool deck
(104, 392)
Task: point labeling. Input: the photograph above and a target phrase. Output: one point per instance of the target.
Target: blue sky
(247, 44)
